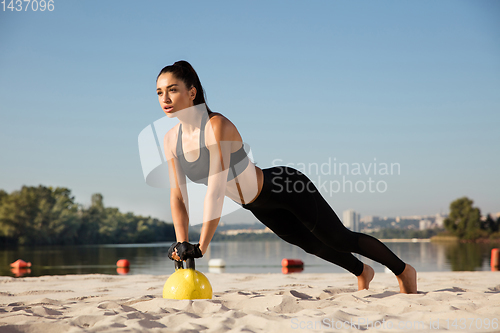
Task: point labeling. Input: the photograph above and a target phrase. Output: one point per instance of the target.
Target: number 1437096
(27, 5)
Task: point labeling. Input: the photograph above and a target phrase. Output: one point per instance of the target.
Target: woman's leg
(289, 228)
(288, 190)
(286, 226)
(299, 196)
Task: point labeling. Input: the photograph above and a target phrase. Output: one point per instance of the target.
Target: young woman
(207, 148)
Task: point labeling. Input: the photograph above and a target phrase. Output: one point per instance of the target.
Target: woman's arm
(179, 205)
(178, 191)
(221, 134)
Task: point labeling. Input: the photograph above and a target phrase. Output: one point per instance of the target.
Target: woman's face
(173, 94)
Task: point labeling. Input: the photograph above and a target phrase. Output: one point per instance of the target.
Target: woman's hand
(182, 251)
(187, 250)
(172, 252)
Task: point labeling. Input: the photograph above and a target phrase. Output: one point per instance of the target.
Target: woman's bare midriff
(246, 182)
(260, 183)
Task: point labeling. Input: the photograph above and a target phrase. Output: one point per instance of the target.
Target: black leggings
(291, 206)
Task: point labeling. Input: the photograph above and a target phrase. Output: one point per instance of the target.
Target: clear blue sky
(409, 82)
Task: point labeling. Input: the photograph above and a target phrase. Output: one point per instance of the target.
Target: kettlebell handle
(180, 265)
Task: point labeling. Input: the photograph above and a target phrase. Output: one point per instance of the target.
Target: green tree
(38, 215)
(44, 216)
(91, 220)
(490, 225)
(6, 230)
(464, 219)
(3, 194)
(64, 221)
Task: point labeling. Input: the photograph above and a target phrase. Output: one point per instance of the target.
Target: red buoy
(292, 263)
(291, 269)
(18, 272)
(495, 259)
(122, 270)
(19, 263)
(123, 263)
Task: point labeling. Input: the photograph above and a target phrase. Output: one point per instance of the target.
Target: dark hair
(183, 71)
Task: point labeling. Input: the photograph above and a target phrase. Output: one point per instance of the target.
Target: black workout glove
(187, 250)
(172, 249)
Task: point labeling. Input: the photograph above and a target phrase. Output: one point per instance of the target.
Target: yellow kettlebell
(187, 283)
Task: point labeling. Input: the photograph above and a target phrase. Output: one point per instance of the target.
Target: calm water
(240, 257)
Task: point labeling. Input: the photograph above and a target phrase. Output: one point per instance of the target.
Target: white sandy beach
(451, 301)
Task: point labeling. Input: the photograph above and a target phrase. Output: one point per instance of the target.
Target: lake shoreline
(239, 257)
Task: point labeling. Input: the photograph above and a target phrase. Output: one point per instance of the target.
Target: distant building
(412, 217)
(440, 220)
(351, 219)
(369, 219)
(424, 224)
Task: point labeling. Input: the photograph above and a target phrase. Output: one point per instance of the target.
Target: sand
(300, 302)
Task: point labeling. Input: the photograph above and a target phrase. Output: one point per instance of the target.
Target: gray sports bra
(198, 170)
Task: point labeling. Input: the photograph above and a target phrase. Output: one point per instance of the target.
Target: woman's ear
(192, 93)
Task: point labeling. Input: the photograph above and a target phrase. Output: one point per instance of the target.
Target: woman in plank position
(207, 148)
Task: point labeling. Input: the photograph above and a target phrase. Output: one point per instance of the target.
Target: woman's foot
(408, 280)
(365, 277)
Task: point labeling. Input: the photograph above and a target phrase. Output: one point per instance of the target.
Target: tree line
(47, 216)
(465, 222)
